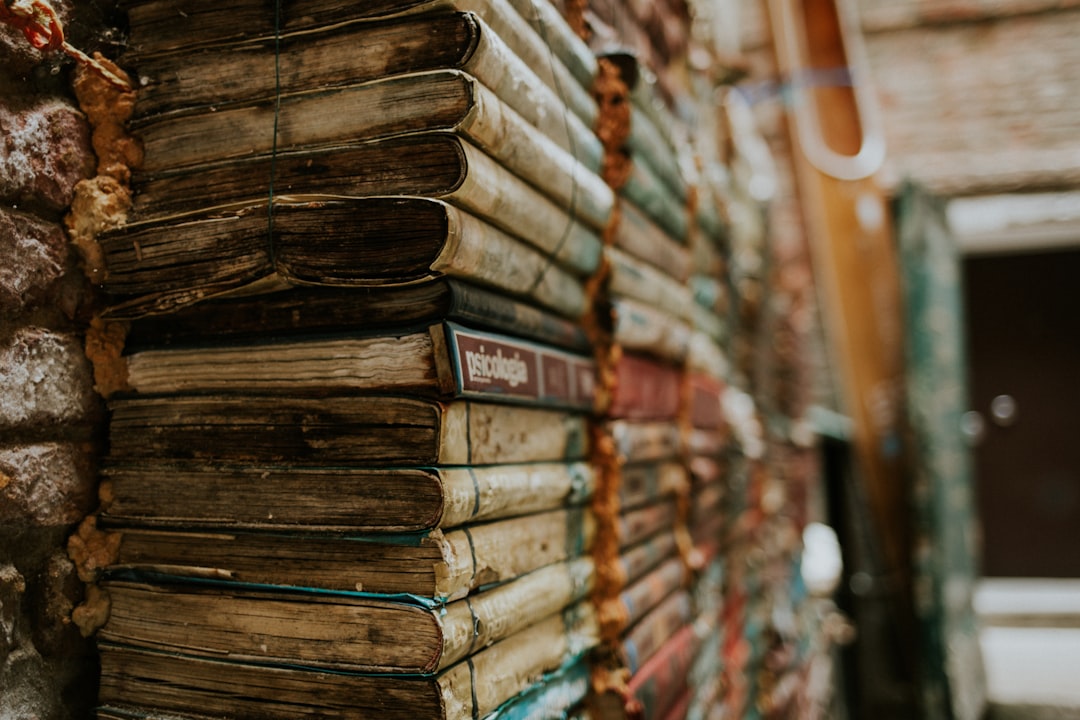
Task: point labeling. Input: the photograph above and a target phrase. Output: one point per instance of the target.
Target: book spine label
(489, 366)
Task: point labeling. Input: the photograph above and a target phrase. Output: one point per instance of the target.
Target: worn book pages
(334, 631)
(345, 500)
(331, 242)
(441, 565)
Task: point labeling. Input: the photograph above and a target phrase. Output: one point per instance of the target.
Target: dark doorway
(1024, 351)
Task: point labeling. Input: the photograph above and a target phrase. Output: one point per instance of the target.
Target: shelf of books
(430, 408)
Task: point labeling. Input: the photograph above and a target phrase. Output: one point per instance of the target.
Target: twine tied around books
(572, 210)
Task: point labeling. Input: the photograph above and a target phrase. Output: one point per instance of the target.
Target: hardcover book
(356, 632)
(339, 430)
(448, 360)
(332, 242)
(440, 565)
(134, 678)
(335, 499)
(359, 311)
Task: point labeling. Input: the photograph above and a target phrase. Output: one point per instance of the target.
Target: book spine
(379, 108)
(507, 75)
(405, 363)
(476, 433)
(661, 680)
(572, 51)
(653, 198)
(706, 411)
(536, 158)
(635, 279)
(641, 558)
(550, 699)
(479, 555)
(646, 639)
(647, 592)
(706, 356)
(636, 525)
(488, 493)
(475, 306)
(480, 365)
(647, 482)
(647, 144)
(194, 495)
(644, 441)
(640, 237)
(478, 251)
(479, 685)
(494, 193)
(644, 329)
(472, 624)
(645, 390)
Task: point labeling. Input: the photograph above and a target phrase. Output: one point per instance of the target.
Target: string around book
(572, 210)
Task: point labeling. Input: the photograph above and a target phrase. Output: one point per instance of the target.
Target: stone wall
(50, 416)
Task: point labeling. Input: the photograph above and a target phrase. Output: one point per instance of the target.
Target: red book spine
(645, 390)
(657, 686)
(705, 410)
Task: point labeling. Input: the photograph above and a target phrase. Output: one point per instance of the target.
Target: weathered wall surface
(49, 413)
(977, 96)
(983, 101)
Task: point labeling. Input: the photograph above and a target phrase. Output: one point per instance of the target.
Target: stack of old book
(347, 472)
(667, 262)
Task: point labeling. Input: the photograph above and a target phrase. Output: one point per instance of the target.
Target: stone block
(45, 485)
(45, 380)
(33, 255)
(44, 151)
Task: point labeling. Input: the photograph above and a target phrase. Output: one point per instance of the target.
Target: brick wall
(49, 413)
(983, 104)
(977, 96)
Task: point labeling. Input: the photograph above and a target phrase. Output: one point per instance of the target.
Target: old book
(339, 430)
(643, 329)
(435, 165)
(645, 441)
(646, 191)
(447, 360)
(637, 235)
(331, 242)
(638, 559)
(346, 500)
(645, 639)
(157, 28)
(436, 564)
(659, 682)
(706, 398)
(638, 524)
(335, 631)
(553, 697)
(645, 593)
(135, 678)
(323, 311)
(446, 100)
(645, 390)
(644, 483)
(635, 279)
